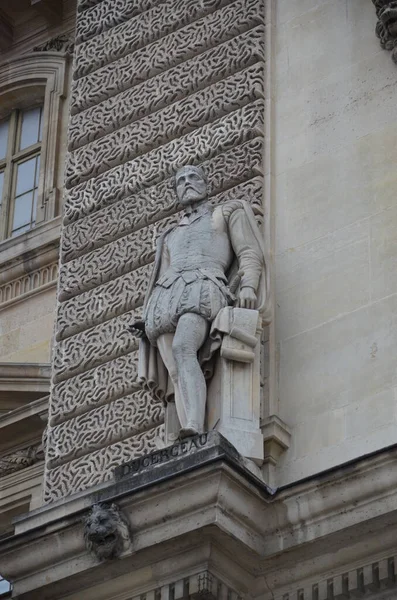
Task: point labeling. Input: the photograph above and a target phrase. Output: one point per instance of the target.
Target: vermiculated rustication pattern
(157, 84)
(98, 466)
(153, 94)
(127, 143)
(139, 32)
(149, 169)
(105, 14)
(96, 346)
(76, 396)
(167, 52)
(104, 426)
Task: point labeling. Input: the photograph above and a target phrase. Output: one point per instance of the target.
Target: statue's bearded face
(191, 185)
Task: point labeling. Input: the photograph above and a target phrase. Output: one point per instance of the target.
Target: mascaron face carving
(106, 531)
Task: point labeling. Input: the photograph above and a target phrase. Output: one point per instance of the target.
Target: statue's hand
(247, 298)
(138, 329)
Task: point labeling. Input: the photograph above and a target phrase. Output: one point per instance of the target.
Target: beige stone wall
(26, 329)
(336, 233)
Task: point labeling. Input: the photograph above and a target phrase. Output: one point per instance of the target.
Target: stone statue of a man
(212, 259)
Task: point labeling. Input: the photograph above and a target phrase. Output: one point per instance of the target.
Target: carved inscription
(162, 456)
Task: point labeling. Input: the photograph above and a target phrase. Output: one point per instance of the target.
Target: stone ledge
(297, 535)
(20, 383)
(36, 247)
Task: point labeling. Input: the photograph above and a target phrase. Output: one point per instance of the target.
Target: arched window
(32, 89)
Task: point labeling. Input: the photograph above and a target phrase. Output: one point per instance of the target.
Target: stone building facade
(291, 106)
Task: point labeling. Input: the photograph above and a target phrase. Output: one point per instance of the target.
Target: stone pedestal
(233, 406)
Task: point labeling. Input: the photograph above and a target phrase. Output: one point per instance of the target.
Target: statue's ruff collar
(190, 215)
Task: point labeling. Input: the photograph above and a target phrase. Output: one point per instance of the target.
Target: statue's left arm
(246, 246)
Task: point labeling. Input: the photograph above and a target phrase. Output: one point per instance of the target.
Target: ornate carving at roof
(61, 43)
(386, 27)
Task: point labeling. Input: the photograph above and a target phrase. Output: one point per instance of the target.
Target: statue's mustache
(190, 188)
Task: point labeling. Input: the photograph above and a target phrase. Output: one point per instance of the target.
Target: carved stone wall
(157, 84)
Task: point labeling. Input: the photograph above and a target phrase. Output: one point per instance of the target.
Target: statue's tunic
(195, 260)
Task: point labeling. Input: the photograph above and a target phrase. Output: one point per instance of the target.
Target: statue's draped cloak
(152, 372)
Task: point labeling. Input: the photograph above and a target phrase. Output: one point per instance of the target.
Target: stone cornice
(29, 263)
(38, 407)
(31, 247)
(299, 536)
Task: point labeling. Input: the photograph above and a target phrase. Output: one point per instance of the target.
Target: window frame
(33, 79)
(9, 166)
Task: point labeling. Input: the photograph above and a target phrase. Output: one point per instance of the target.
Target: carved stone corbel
(386, 27)
(106, 532)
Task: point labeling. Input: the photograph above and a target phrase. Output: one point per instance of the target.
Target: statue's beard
(191, 195)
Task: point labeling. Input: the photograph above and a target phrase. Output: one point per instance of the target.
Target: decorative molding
(139, 66)
(200, 586)
(6, 33)
(367, 579)
(386, 27)
(83, 5)
(234, 129)
(136, 33)
(32, 282)
(202, 108)
(61, 43)
(277, 438)
(225, 172)
(93, 347)
(106, 14)
(20, 459)
(32, 250)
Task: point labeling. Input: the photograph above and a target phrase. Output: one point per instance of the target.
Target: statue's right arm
(138, 327)
(164, 258)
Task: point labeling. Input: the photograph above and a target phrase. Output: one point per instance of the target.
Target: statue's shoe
(187, 431)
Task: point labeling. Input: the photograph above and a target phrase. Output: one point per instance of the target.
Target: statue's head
(191, 185)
